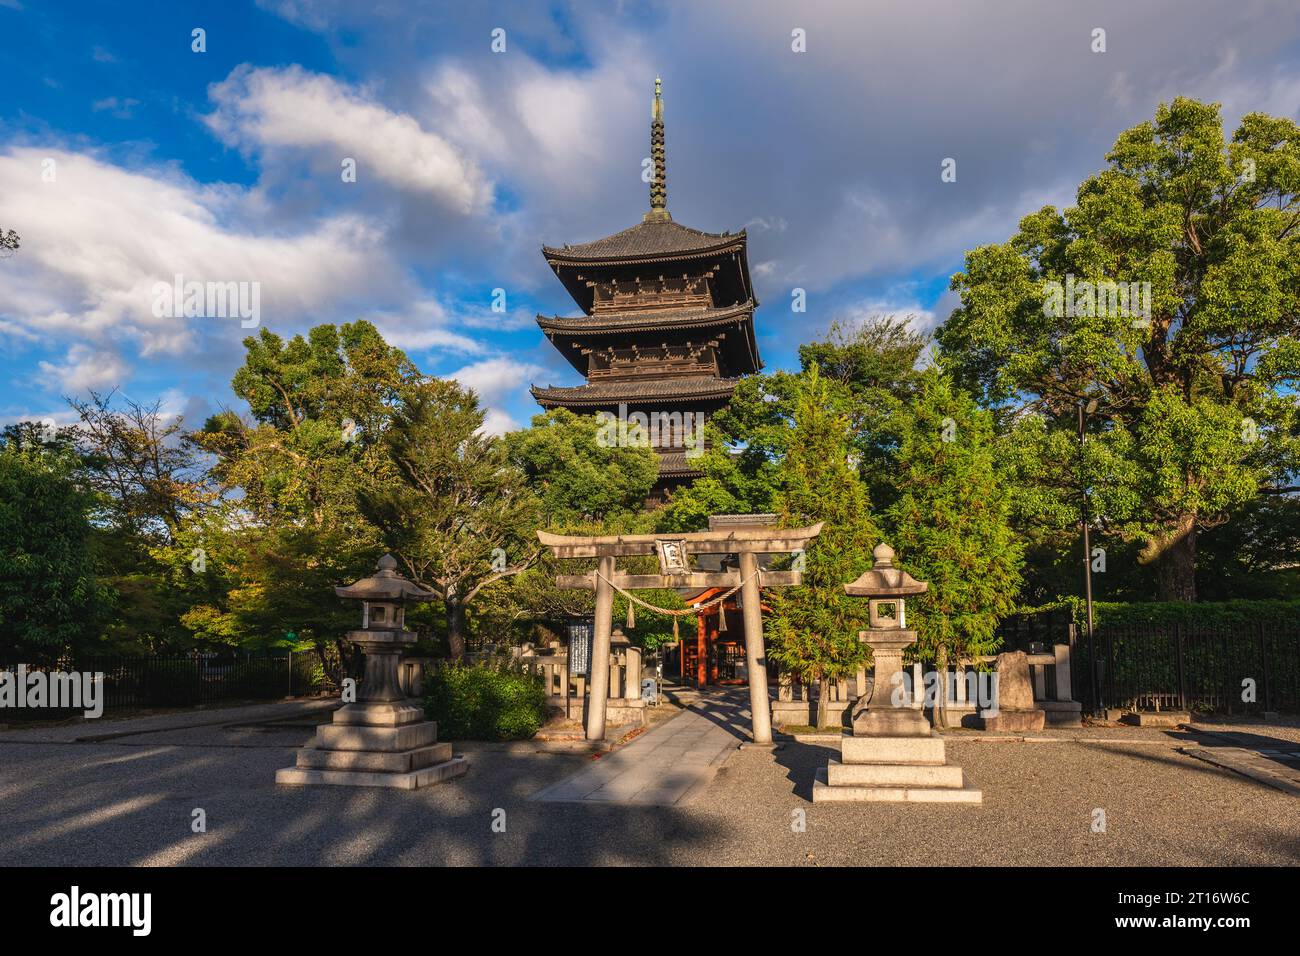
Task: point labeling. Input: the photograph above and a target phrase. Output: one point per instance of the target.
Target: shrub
(485, 702)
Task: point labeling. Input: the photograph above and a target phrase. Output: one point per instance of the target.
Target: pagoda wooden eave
(646, 320)
(646, 242)
(630, 250)
(634, 391)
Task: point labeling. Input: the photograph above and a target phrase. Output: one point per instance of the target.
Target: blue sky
(225, 165)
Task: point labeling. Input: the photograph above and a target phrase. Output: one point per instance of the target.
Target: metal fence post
(1182, 672)
(1110, 676)
(1263, 665)
(1071, 637)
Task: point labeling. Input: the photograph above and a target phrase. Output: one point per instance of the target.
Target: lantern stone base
(909, 769)
(823, 792)
(366, 746)
(414, 780)
(890, 722)
(1013, 720)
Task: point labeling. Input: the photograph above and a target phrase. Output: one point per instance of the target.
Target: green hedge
(485, 702)
(1206, 615)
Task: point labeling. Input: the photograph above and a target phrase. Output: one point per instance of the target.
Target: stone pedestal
(887, 711)
(382, 740)
(893, 770)
(1062, 713)
(893, 755)
(1016, 710)
(1017, 721)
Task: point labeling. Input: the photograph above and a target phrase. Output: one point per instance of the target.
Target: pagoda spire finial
(659, 184)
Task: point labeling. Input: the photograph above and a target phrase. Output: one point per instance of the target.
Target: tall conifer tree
(813, 629)
(950, 523)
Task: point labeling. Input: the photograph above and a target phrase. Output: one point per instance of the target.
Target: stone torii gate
(746, 536)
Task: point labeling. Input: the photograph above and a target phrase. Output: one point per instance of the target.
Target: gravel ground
(129, 801)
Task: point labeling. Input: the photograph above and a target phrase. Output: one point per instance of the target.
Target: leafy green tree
(1194, 382)
(576, 477)
(458, 514)
(585, 486)
(288, 527)
(50, 601)
(874, 357)
(868, 367)
(259, 586)
(950, 522)
(149, 482)
(1254, 554)
(319, 405)
(813, 629)
(148, 477)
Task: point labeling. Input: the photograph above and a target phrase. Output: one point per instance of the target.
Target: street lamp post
(1085, 409)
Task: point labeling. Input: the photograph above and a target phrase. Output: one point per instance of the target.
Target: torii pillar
(598, 696)
(755, 655)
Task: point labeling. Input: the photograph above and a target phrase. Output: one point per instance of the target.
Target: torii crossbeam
(746, 536)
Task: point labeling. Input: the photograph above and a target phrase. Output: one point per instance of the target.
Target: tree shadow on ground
(801, 761)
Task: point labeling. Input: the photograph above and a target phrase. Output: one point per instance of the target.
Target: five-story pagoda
(668, 323)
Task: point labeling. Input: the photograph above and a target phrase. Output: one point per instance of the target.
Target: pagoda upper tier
(667, 315)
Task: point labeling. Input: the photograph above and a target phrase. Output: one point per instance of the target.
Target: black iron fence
(1245, 669)
(155, 682)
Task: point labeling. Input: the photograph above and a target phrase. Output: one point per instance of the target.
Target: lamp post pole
(1091, 406)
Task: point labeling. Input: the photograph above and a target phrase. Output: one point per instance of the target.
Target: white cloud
(84, 368)
(120, 108)
(554, 133)
(498, 422)
(98, 238)
(420, 326)
(495, 380)
(270, 109)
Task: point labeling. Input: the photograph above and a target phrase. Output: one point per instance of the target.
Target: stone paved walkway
(667, 766)
(311, 710)
(1265, 757)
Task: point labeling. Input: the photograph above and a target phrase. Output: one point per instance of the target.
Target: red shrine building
(667, 327)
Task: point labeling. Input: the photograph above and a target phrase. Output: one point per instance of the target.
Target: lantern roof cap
(885, 580)
(385, 585)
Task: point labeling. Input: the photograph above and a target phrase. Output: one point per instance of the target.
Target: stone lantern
(381, 739)
(381, 638)
(886, 589)
(893, 755)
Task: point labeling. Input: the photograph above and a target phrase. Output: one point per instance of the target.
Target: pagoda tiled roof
(647, 241)
(644, 320)
(676, 463)
(642, 390)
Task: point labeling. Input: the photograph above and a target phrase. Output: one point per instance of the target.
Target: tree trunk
(456, 630)
(1176, 565)
(823, 701)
